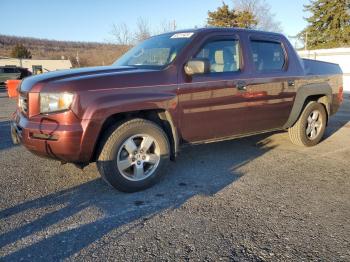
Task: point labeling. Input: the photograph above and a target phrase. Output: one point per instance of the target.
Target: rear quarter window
(267, 55)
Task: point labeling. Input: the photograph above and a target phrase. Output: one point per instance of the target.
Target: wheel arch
(319, 92)
(161, 117)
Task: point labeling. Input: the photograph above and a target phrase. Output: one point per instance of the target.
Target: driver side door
(212, 105)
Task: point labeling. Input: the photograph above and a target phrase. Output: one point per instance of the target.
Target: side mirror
(197, 66)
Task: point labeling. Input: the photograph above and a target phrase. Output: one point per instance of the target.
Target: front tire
(133, 156)
(310, 127)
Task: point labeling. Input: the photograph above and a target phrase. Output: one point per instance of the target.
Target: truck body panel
(199, 108)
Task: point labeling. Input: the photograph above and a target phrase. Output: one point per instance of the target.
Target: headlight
(54, 102)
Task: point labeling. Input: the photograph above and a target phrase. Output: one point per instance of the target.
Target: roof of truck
(223, 29)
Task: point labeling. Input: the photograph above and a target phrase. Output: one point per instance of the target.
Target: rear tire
(310, 127)
(133, 155)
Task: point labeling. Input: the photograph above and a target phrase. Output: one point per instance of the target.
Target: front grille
(23, 103)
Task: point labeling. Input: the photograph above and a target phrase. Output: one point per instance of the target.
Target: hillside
(90, 54)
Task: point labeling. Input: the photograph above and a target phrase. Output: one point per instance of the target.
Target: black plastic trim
(302, 94)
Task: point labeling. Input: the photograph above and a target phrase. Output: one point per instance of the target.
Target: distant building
(37, 65)
(339, 56)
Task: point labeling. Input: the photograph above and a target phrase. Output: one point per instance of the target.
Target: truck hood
(35, 83)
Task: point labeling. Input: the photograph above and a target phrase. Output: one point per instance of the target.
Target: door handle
(242, 86)
(291, 83)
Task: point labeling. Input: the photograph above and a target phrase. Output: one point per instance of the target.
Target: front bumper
(47, 137)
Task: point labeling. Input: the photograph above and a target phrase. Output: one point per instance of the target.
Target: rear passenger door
(270, 93)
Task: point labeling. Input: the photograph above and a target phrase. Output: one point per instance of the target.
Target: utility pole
(295, 40)
(306, 40)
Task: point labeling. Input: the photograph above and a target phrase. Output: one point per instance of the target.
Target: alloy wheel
(138, 157)
(314, 124)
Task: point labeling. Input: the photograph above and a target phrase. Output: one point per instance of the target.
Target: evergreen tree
(226, 17)
(328, 25)
(20, 51)
(245, 19)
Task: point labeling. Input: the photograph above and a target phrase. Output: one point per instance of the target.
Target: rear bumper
(48, 138)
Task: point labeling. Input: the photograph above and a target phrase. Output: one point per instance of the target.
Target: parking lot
(253, 199)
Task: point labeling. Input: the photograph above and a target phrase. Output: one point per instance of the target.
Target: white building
(339, 56)
(37, 65)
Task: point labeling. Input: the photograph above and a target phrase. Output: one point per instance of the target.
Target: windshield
(155, 52)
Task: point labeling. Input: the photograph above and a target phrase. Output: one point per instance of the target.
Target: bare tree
(143, 30)
(122, 36)
(262, 12)
(168, 26)
(165, 26)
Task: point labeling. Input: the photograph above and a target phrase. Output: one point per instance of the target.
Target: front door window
(223, 55)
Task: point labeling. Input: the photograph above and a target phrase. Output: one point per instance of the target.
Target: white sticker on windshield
(182, 35)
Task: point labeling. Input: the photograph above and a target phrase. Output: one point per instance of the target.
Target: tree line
(328, 26)
(79, 53)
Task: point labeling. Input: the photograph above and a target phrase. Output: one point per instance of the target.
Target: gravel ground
(253, 199)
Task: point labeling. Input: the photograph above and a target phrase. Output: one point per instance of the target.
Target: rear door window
(267, 55)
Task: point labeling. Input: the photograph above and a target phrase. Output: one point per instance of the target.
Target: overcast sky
(91, 20)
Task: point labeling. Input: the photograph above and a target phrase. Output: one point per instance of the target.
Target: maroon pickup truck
(185, 87)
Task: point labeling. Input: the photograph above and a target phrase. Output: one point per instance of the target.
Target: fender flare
(166, 116)
(97, 116)
(305, 91)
